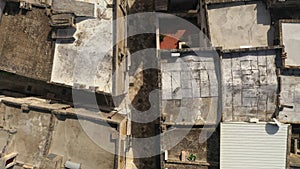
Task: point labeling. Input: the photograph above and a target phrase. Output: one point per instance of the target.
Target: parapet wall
(30, 103)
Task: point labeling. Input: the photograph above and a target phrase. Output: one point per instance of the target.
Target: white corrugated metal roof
(253, 146)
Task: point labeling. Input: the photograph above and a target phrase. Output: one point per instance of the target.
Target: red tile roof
(170, 41)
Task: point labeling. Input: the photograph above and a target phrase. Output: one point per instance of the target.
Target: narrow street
(143, 82)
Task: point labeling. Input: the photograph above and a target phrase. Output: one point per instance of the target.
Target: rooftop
(291, 41)
(251, 145)
(88, 60)
(249, 84)
(25, 47)
(290, 96)
(34, 120)
(207, 153)
(190, 92)
(240, 24)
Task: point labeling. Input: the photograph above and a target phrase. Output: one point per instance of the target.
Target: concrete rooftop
(234, 25)
(68, 135)
(290, 96)
(291, 42)
(190, 88)
(88, 60)
(249, 85)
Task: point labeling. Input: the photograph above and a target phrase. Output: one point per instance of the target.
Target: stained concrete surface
(290, 98)
(24, 45)
(190, 88)
(291, 42)
(88, 60)
(249, 85)
(31, 136)
(71, 142)
(233, 25)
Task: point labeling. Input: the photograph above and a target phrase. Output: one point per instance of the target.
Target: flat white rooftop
(291, 41)
(240, 24)
(88, 60)
(290, 96)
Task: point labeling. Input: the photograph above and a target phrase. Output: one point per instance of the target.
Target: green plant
(192, 157)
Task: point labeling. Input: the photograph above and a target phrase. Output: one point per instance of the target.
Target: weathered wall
(122, 143)
(120, 57)
(202, 19)
(2, 5)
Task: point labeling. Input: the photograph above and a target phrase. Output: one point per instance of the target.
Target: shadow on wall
(264, 18)
(263, 14)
